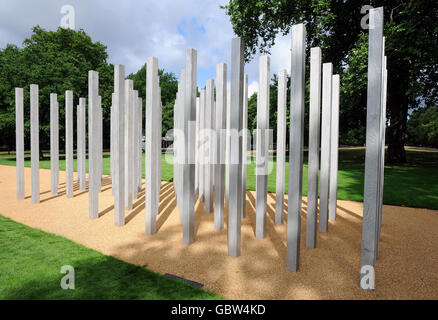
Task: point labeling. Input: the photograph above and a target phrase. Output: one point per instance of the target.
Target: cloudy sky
(136, 29)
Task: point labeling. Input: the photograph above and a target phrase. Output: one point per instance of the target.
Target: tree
(353, 96)
(57, 61)
(11, 70)
(411, 30)
(423, 127)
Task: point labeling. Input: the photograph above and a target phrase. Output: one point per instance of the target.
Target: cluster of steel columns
(126, 138)
(211, 143)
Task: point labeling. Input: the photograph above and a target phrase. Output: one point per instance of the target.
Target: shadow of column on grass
(106, 278)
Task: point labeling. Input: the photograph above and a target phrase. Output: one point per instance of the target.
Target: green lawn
(31, 262)
(414, 184)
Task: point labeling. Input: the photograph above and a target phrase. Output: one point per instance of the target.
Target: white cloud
(281, 54)
(252, 88)
(280, 58)
(137, 29)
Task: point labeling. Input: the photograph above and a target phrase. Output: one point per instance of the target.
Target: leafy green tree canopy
(423, 127)
(57, 61)
(411, 30)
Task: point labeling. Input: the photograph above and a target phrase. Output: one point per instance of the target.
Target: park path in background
(405, 269)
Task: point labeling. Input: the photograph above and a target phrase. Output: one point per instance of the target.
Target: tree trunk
(397, 105)
(396, 150)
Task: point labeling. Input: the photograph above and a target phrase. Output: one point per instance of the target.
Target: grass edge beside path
(31, 262)
(413, 184)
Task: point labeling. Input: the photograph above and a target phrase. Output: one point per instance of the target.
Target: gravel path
(406, 267)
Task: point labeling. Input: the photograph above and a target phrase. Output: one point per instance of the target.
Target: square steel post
(93, 152)
(129, 94)
(81, 144)
(373, 146)
(176, 129)
(214, 142)
(201, 148)
(189, 147)
(140, 139)
(221, 112)
(112, 143)
(151, 160)
(381, 151)
(69, 143)
(236, 109)
(78, 138)
(209, 126)
(245, 143)
(119, 145)
(180, 142)
(159, 140)
(314, 143)
(99, 143)
(139, 147)
(54, 143)
(262, 145)
(197, 149)
(297, 93)
(112, 139)
(334, 136)
(382, 133)
(19, 142)
(134, 154)
(227, 147)
(34, 143)
(327, 75)
(281, 146)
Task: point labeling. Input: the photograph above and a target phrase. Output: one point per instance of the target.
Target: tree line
(60, 60)
(411, 31)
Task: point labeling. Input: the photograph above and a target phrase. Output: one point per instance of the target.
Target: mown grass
(414, 184)
(31, 262)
